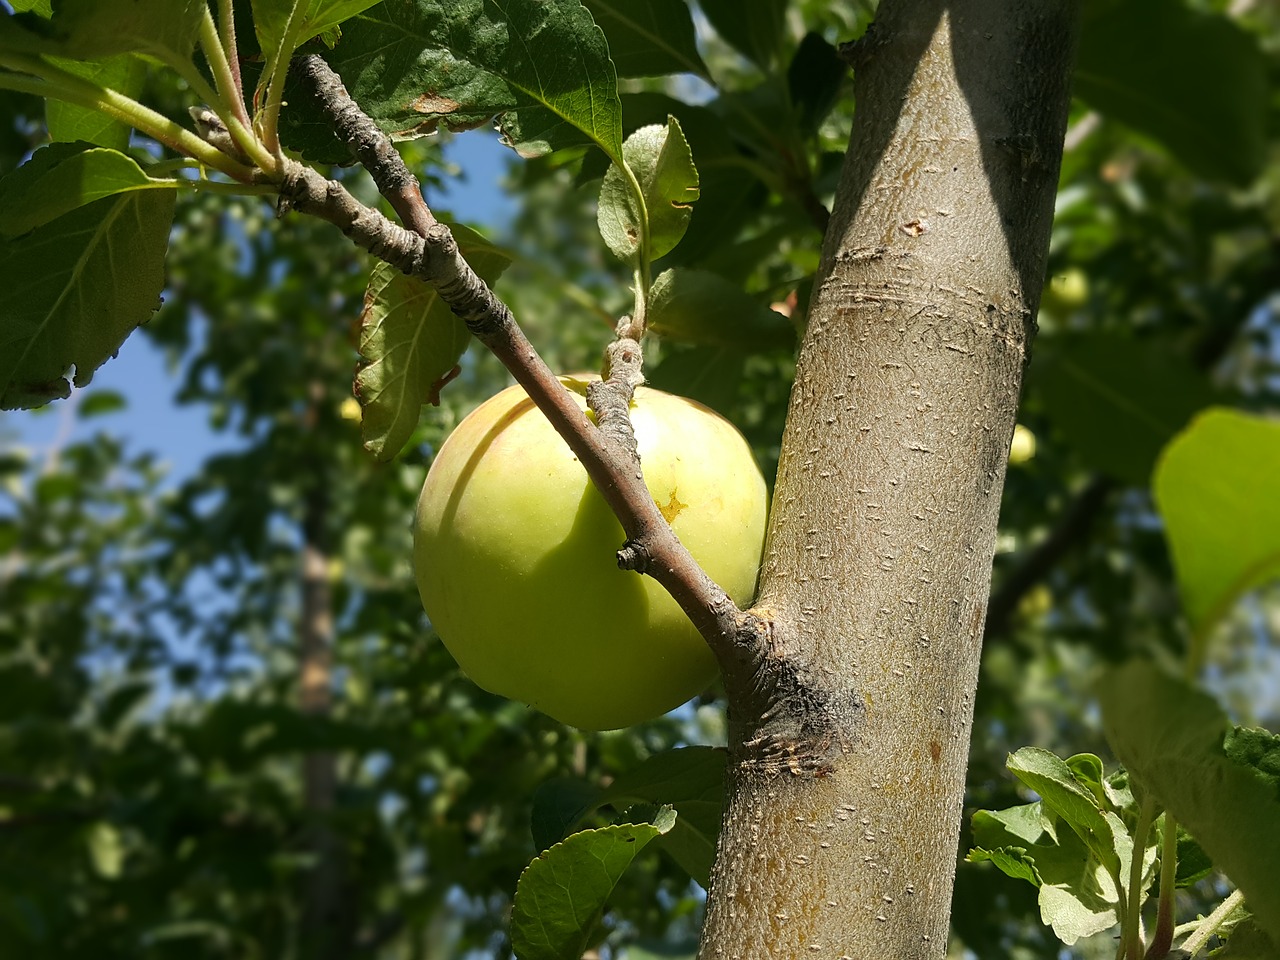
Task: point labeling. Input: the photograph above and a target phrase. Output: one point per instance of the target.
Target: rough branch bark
(880, 545)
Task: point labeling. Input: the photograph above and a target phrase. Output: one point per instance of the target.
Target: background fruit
(514, 552)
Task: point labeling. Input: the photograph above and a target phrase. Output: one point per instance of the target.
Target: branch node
(788, 721)
(634, 556)
(211, 129)
(857, 52)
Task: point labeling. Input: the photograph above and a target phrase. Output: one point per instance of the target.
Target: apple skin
(515, 557)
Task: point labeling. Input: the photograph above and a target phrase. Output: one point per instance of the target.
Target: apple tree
(902, 247)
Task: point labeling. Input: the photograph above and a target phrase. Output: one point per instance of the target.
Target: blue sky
(181, 435)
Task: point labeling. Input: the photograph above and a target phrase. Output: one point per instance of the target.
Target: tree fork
(878, 560)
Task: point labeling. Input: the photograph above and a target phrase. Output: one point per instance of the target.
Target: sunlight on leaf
(562, 893)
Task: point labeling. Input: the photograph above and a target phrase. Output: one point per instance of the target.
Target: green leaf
(101, 402)
(697, 306)
(63, 176)
(409, 341)
(562, 893)
(75, 289)
(1248, 942)
(1064, 795)
(1075, 914)
(1134, 66)
(25, 34)
(1258, 749)
(1078, 896)
(755, 29)
(1087, 770)
(1012, 861)
(69, 122)
(559, 805)
(710, 375)
(725, 186)
(93, 29)
(649, 39)
(270, 18)
(1118, 401)
(543, 66)
(690, 779)
(1215, 488)
(1020, 826)
(304, 127)
(814, 79)
(1193, 863)
(659, 158)
(1219, 783)
(42, 8)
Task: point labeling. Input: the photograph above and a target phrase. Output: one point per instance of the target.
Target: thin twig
(1210, 924)
(1076, 521)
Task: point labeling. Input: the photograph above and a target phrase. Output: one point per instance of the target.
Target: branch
(431, 254)
(367, 142)
(1076, 521)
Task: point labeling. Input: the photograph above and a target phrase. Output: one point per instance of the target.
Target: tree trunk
(324, 922)
(840, 837)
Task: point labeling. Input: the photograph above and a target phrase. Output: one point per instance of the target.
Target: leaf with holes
(659, 157)
(544, 67)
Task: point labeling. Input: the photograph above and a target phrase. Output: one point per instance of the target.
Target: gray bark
(840, 839)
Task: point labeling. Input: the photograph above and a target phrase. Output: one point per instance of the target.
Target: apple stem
(610, 397)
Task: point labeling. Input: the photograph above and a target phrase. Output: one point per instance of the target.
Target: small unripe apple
(515, 556)
(1023, 445)
(1066, 292)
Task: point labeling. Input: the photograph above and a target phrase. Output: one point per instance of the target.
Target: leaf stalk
(46, 80)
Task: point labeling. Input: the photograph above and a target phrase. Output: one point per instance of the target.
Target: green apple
(1066, 292)
(1022, 447)
(515, 550)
